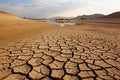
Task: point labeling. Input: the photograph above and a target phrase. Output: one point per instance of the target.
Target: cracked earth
(63, 54)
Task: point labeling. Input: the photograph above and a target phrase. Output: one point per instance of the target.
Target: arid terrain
(32, 50)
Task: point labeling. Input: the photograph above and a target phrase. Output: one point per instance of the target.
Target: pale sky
(66, 8)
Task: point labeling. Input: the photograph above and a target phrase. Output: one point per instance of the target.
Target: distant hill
(90, 16)
(6, 13)
(56, 17)
(59, 17)
(8, 16)
(115, 15)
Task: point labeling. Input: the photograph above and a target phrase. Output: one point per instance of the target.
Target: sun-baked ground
(40, 51)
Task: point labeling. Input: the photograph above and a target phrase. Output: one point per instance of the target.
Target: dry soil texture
(63, 53)
(31, 50)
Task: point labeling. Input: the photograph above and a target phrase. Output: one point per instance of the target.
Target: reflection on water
(61, 23)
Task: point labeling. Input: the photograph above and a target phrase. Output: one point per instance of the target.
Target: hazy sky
(49, 8)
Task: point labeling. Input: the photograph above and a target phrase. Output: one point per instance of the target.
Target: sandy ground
(12, 27)
(40, 51)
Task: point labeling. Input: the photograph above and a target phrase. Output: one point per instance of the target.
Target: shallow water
(62, 24)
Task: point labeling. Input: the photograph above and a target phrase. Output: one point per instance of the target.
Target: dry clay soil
(86, 52)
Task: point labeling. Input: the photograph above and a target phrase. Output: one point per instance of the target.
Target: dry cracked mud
(63, 54)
